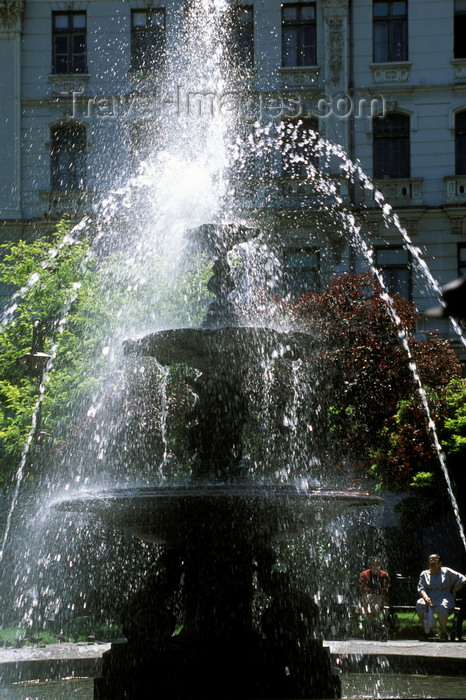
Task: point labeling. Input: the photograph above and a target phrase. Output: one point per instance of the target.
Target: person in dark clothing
(374, 587)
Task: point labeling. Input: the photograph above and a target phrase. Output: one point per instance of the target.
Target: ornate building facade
(383, 79)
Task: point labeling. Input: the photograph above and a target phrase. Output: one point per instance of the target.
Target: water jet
(218, 528)
(217, 532)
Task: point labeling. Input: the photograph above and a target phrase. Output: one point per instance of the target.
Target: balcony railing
(285, 192)
(61, 202)
(399, 192)
(299, 77)
(455, 189)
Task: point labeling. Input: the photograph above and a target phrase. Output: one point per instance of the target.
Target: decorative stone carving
(332, 6)
(335, 48)
(457, 226)
(299, 77)
(455, 189)
(458, 222)
(459, 66)
(407, 191)
(391, 73)
(11, 12)
(67, 85)
(392, 234)
(410, 225)
(58, 202)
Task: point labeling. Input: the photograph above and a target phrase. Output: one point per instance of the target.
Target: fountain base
(218, 549)
(219, 668)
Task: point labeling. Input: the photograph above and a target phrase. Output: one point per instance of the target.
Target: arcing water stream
(184, 185)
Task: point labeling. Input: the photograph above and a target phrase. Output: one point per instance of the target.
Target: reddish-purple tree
(362, 376)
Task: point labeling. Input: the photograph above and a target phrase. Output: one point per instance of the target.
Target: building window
(461, 259)
(143, 141)
(390, 30)
(459, 50)
(239, 37)
(299, 149)
(460, 143)
(148, 40)
(68, 157)
(301, 268)
(69, 42)
(391, 146)
(299, 35)
(394, 264)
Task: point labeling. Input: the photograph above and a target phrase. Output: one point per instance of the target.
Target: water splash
(69, 239)
(403, 336)
(32, 435)
(272, 141)
(165, 372)
(186, 184)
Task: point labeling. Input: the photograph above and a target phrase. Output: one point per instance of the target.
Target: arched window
(460, 143)
(68, 157)
(394, 262)
(391, 157)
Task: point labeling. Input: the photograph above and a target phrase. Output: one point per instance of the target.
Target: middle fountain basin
(167, 515)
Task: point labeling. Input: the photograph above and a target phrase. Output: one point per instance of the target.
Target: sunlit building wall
(385, 79)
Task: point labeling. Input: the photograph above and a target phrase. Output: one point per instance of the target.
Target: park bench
(403, 597)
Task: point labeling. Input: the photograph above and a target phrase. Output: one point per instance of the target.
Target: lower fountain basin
(170, 515)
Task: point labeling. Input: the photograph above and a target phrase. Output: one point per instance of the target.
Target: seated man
(438, 586)
(374, 585)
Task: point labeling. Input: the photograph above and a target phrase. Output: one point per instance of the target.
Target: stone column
(336, 70)
(10, 108)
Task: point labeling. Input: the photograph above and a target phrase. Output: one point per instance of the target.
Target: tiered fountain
(218, 531)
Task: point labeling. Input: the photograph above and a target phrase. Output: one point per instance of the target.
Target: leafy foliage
(365, 412)
(83, 303)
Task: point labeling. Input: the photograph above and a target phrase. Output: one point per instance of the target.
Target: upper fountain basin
(231, 347)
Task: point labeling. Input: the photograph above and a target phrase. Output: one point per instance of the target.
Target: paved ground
(55, 661)
(51, 662)
(81, 650)
(452, 650)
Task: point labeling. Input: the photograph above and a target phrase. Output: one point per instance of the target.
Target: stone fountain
(218, 532)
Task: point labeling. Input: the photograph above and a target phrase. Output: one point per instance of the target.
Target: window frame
(384, 47)
(294, 288)
(240, 36)
(63, 157)
(461, 253)
(391, 268)
(74, 64)
(460, 143)
(398, 164)
(459, 30)
(139, 62)
(299, 25)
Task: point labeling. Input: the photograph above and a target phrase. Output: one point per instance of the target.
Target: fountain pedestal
(218, 546)
(218, 534)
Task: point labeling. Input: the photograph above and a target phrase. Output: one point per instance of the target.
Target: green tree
(409, 459)
(84, 304)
